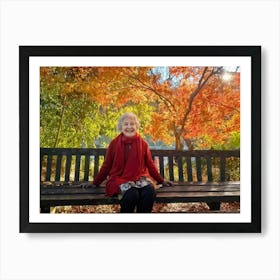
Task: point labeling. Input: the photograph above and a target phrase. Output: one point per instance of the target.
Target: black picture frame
(254, 52)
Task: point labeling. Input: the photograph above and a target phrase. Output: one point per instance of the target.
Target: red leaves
(180, 104)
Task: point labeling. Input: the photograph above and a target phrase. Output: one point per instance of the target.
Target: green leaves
(80, 106)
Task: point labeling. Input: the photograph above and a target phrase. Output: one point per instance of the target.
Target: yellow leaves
(214, 110)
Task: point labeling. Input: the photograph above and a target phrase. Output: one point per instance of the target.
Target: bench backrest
(75, 164)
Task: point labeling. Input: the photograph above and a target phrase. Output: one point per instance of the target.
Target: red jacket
(117, 172)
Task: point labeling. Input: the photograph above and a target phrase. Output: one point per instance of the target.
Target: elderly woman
(129, 168)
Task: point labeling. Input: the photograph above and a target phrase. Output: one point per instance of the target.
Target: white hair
(129, 116)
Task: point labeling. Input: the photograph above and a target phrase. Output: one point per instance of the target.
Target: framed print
(140, 138)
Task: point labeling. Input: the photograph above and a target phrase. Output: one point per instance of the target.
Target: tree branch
(166, 101)
(201, 84)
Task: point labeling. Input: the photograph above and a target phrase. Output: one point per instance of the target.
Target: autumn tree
(181, 105)
(189, 102)
(79, 106)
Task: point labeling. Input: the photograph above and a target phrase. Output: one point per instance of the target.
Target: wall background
(138, 256)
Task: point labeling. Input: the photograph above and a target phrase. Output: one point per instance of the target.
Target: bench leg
(214, 205)
(45, 209)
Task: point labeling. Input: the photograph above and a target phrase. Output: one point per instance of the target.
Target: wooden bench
(198, 176)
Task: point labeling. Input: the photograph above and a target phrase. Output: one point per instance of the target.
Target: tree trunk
(179, 144)
(189, 144)
(60, 122)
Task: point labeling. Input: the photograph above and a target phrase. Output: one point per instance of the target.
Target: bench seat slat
(86, 199)
(190, 195)
(101, 190)
(56, 200)
(74, 195)
(199, 194)
(206, 198)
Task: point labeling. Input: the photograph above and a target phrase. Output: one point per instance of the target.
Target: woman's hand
(87, 185)
(167, 184)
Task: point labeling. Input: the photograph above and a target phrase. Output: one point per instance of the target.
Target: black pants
(142, 199)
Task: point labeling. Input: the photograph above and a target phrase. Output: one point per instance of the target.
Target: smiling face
(128, 127)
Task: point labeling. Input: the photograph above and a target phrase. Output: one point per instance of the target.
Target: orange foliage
(199, 103)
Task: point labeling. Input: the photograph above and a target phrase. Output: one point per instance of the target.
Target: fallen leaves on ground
(201, 207)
